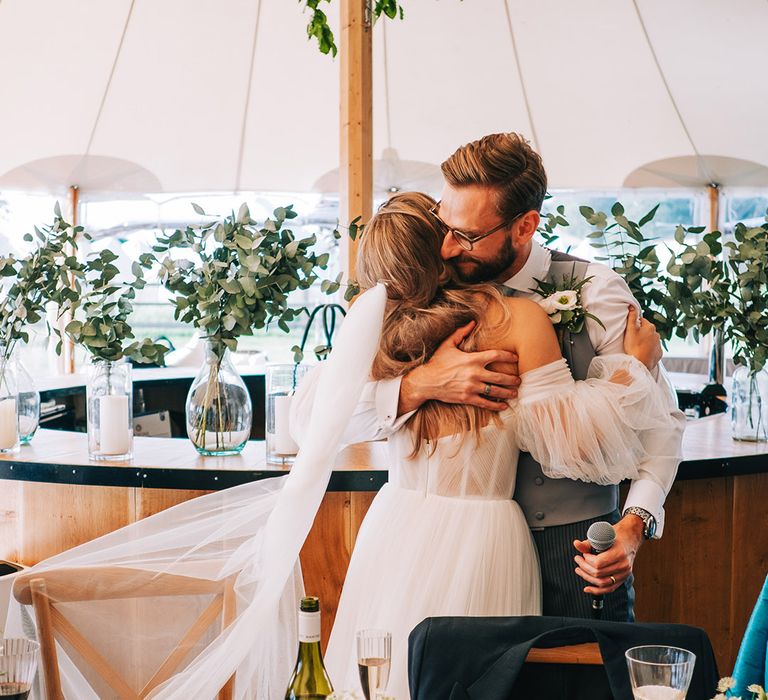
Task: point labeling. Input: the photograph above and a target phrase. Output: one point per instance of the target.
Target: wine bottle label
(309, 626)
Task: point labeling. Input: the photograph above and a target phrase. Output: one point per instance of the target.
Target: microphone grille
(601, 535)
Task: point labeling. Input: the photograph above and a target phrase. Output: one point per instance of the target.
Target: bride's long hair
(400, 246)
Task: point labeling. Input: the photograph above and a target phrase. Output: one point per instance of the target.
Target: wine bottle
(309, 680)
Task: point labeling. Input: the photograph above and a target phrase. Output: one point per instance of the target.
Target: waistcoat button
(538, 481)
(539, 515)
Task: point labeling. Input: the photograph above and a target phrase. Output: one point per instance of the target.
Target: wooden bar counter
(706, 571)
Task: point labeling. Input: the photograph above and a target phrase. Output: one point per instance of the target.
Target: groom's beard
(473, 271)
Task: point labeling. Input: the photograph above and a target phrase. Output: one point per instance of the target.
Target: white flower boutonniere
(562, 302)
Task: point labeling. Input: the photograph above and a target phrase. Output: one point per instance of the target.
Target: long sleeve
(608, 297)
(596, 430)
(374, 418)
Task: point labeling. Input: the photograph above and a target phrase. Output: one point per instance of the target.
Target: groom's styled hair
(505, 162)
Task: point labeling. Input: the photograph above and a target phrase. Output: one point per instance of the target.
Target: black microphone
(601, 536)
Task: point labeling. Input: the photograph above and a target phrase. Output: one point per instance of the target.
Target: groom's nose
(450, 248)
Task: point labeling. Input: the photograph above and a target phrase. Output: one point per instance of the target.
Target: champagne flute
(374, 654)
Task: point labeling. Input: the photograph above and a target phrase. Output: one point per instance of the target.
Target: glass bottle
(219, 412)
(29, 403)
(109, 400)
(9, 397)
(749, 404)
(309, 680)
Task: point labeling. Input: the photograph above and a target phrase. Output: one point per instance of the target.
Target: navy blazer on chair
(482, 658)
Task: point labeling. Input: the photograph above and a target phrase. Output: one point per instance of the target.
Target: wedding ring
(487, 390)
(613, 579)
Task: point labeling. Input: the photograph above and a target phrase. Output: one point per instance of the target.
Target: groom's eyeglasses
(464, 239)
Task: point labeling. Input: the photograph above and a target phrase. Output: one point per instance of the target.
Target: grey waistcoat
(548, 502)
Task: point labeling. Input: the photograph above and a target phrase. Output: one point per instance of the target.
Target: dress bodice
(482, 467)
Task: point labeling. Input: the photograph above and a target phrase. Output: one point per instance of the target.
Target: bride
(444, 536)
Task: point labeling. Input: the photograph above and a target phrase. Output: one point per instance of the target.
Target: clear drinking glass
(28, 404)
(109, 397)
(749, 404)
(281, 381)
(660, 672)
(18, 663)
(374, 655)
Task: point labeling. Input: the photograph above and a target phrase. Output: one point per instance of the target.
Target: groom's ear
(526, 227)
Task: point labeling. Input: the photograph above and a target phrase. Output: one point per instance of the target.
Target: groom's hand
(597, 569)
(454, 376)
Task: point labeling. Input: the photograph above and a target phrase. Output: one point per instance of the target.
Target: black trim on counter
(160, 478)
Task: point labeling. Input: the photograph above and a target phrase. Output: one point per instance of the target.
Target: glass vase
(28, 404)
(749, 404)
(219, 412)
(9, 397)
(109, 399)
(281, 383)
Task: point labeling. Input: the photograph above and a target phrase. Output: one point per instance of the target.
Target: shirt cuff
(386, 399)
(648, 495)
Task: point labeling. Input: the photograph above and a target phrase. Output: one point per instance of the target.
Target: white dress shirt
(608, 298)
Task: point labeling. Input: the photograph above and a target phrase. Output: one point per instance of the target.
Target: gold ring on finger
(613, 580)
(487, 390)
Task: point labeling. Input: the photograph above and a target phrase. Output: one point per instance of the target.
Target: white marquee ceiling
(603, 87)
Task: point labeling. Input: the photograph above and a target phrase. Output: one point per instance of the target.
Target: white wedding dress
(444, 536)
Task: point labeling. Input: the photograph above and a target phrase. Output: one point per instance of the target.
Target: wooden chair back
(585, 654)
(46, 589)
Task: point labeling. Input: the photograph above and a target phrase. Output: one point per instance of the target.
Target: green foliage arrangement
(98, 304)
(722, 287)
(712, 283)
(38, 276)
(319, 29)
(241, 277)
(622, 245)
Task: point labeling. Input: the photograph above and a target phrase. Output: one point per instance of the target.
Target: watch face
(651, 528)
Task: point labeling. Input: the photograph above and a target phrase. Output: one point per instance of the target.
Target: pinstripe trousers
(563, 588)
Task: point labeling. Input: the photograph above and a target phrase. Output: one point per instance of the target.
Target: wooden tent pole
(714, 206)
(356, 122)
(68, 347)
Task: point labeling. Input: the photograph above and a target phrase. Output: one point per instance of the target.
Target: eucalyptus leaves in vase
(97, 304)
(723, 288)
(238, 282)
(35, 276)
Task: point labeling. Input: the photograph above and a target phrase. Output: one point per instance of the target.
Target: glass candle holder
(281, 383)
(109, 397)
(9, 403)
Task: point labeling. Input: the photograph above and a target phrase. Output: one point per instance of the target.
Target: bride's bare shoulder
(522, 326)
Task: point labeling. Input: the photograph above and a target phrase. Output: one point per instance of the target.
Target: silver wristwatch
(649, 522)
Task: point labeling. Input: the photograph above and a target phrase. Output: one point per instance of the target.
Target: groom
(490, 210)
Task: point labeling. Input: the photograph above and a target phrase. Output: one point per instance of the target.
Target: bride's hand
(642, 341)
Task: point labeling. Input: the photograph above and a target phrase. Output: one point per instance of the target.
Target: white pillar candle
(283, 443)
(114, 436)
(9, 425)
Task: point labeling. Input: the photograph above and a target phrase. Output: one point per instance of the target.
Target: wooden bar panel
(10, 504)
(749, 553)
(57, 517)
(326, 553)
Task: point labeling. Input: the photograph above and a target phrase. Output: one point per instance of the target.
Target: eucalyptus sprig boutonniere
(562, 302)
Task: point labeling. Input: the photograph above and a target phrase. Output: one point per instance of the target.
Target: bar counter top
(61, 457)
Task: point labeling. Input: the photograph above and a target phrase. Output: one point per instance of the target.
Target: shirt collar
(536, 267)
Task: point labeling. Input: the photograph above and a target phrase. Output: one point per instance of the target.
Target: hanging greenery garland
(319, 29)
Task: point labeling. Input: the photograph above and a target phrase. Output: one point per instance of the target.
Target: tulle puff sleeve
(594, 430)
